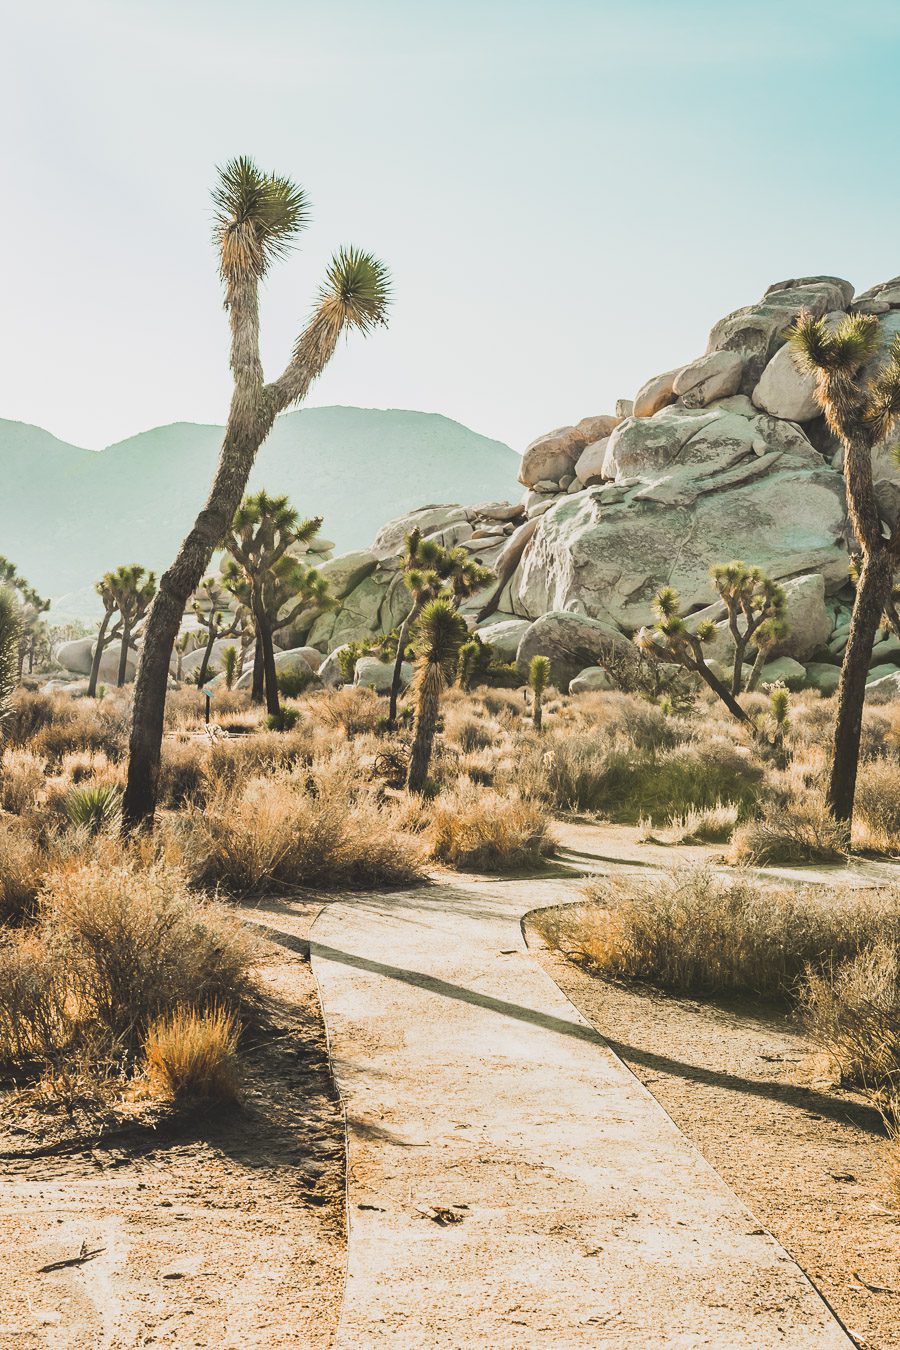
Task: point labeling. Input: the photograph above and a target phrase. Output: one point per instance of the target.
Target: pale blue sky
(568, 194)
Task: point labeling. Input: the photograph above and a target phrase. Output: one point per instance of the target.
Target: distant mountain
(67, 514)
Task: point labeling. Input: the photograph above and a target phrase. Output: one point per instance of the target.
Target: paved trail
(581, 1215)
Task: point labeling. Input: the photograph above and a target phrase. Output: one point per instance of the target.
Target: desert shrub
(699, 933)
(94, 807)
(351, 709)
(609, 777)
(497, 702)
(22, 777)
(468, 732)
(303, 828)
(292, 683)
(191, 1056)
(853, 1011)
(35, 1025)
(795, 832)
(137, 945)
(54, 725)
(706, 825)
(22, 867)
(183, 770)
(476, 829)
(284, 720)
(877, 805)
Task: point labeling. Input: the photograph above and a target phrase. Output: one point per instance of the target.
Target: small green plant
(96, 807)
(468, 658)
(347, 658)
(284, 720)
(538, 679)
(229, 665)
(293, 683)
(439, 634)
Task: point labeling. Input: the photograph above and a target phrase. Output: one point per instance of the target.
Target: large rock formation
(726, 456)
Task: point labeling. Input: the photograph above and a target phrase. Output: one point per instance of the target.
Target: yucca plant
(229, 665)
(258, 217)
(538, 679)
(210, 606)
(862, 411)
(96, 808)
(9, 655)
(439, 634)
(132, 589)
(469, 653)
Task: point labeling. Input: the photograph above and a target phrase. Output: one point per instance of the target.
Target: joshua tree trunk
(176, 587)
(423, 735)
(98, 656)
(270, 674)
(720, 690)
(258, 688)
(123, 655)
(207, 653)
(872, 591)
(397, 676)
(756, 671)
(537, 716)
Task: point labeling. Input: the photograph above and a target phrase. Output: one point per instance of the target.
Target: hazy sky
(568, 193)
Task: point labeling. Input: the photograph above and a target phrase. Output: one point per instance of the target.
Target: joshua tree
(538, 678)
(229, 665)
(133, 588)
(257, 218)
(267, 578)
(209, 605)
(431, 571)
(9, 655)
(756, 607)
(440, 631)
(469, 653)
(105, 588)
(862, 411)
(671, 640)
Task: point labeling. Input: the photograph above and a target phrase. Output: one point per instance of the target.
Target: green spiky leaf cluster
(258, 216)
(539, 673)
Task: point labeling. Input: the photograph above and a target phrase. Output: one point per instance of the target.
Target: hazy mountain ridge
(68, 514)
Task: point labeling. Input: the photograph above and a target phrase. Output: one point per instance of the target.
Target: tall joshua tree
(210, 607)
(431, 571)
(133, 589)
(538, 678)
(671, 640)
(107, 633)
(273, 584)
(439, 633)
(862, 411)
(258, 216)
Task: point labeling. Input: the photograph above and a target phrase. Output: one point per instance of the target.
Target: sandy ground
(747, 1087)
(225, 1235)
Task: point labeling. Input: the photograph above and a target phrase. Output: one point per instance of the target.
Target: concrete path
(511, 1184)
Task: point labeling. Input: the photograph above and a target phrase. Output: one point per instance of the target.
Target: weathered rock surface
(783, 670)
(715, 376)
(347, 571)
(757, 330)
(571, 642)
(378, 675)
(655, 394)
(785, 391)
(504, 637)
(553, 455)
(821, 676)
(590, 679)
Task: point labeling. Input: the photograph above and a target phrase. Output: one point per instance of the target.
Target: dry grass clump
(314, 827)
(707, 825)
(22, 867)
(191, 1057)
(352, 709)
(22, 779)
(877, 807)
(853, 1011)
(612, 778)
(478, 829)
(53, 725)
(795, 832)
(470, 733)
(36, 1025)
(695, 932)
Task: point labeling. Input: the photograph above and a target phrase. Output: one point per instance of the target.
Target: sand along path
(510, 1183)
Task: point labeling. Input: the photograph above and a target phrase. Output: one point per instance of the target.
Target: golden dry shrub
(191, 1057)
(697, 932)
(22, 867)
(139, 945)
(315, 827)
(22, 779)
(799, 830)
(877, 805)
(478, 829)
(853, 1011)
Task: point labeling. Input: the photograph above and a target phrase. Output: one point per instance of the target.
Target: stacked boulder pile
(727, 456)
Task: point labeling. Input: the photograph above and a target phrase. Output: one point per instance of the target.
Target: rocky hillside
(67, 514)
(727, 456)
